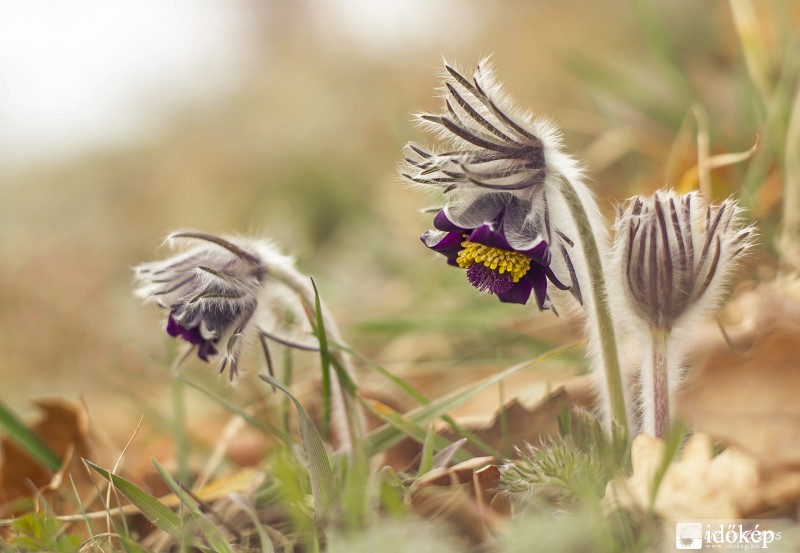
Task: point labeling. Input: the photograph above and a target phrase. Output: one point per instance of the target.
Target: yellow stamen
(502, 261)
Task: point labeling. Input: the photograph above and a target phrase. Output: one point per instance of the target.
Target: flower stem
(600, 306)
(660, 382)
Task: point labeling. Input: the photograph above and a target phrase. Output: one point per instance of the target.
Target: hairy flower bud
(676, 254)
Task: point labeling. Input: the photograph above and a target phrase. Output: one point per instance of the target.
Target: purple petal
(191, 335)
(448, 245)
(443, 222)
(488, 237)
(538, 279)
(551, 276)
(205, 350)
(520, 292)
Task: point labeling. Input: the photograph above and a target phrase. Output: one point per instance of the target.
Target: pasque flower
(499, 178)
(212, 291)
(517, 215)
(226, 290)
(676, 256)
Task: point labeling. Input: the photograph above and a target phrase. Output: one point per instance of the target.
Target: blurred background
(122, 121)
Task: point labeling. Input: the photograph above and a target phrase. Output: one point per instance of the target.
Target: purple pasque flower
(492, 264)
(505, 220)
(215, 292)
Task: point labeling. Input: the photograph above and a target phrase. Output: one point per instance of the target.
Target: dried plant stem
(599, 306)
(347, 417)
(660, 381)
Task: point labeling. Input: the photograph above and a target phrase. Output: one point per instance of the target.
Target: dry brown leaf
(748, 396)
(531, 425)
(478, 476)
(64, 427)
(695, 486)
(472, 519)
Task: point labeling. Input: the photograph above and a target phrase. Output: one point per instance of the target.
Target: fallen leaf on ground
(64, 427)
(747, 396)
(699, 485)
(516, 425)
(695, 486)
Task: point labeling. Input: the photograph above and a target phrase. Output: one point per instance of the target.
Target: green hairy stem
(600, 307)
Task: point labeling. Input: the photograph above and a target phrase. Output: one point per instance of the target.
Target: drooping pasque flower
(213, 292)
(499, 173)
(226, 290)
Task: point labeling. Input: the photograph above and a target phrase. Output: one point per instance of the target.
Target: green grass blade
(265, 427)
(424, 400)
(673, 441)
(382, 438)
(78, 500)
(288, 375)
(325, 360)
(214, 537)
(130, 546)
(27, 439)
(426, 463)
(179, 430)
(156, 512)
(323, 483)
(400, 426)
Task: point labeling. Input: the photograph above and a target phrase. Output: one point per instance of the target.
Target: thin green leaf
(325, 359)
(424, 400)
(27, 439)
(130, 545)
(392, 492)
(385, 437)
(426, 463)
(319, 466)
(83, 512)
(156, 512)
(288, 370)
(179, 429)
(402, 426)
(673, 442)
(265, 427)
(214, 537)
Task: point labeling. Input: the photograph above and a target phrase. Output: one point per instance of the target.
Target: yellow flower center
(503, 261)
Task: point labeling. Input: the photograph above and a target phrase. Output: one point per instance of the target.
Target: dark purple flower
(205, 348)
(492, 264)
(501, 171)
(212, 292)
